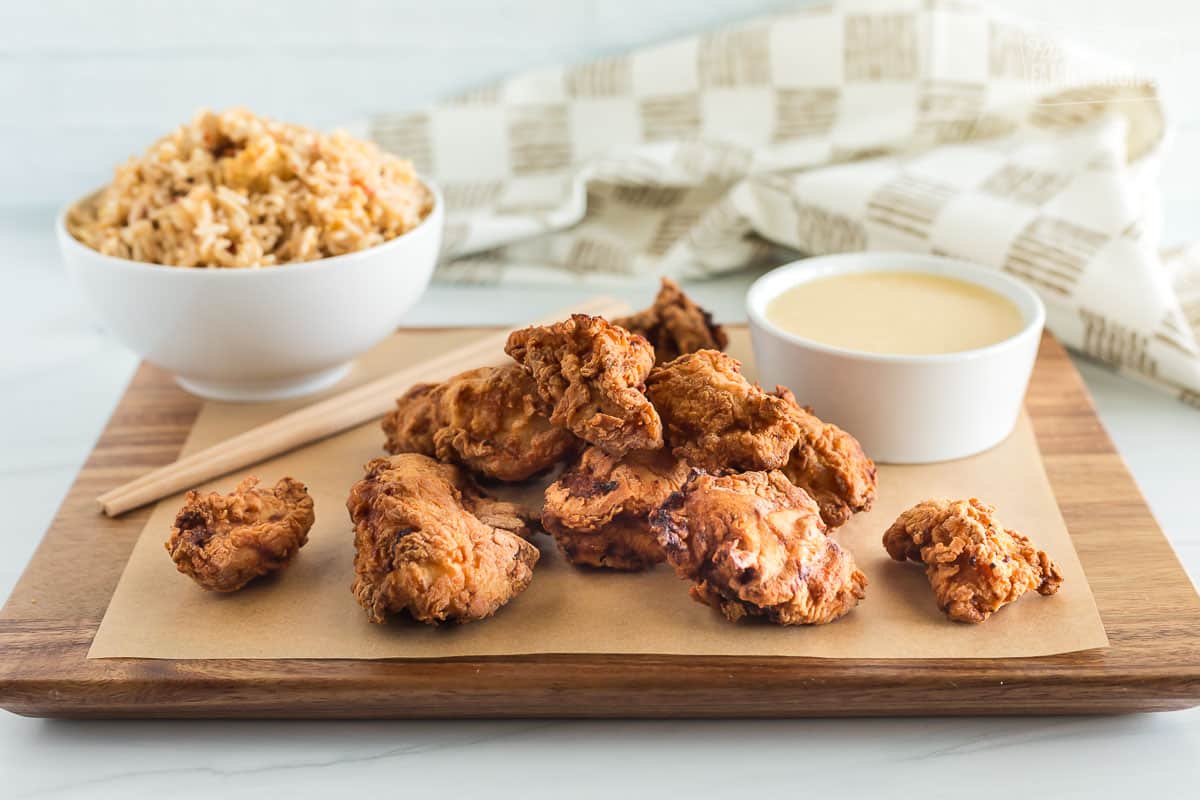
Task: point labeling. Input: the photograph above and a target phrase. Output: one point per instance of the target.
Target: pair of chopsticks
(321, 419)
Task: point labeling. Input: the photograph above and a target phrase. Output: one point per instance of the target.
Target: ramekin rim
(902, 261)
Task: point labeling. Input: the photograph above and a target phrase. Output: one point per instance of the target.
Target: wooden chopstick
(321, 419)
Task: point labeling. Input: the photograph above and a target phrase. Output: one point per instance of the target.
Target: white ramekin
(904, 409)
(258, 334)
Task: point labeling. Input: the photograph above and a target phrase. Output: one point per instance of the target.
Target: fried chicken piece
(830, 465)
(410, 426)
(485, 419)
(590, 375)
(975, 565)
(429, 543)
(755, 545)
(675, 325)
(715, 419)
(598, 511)
(224, 541)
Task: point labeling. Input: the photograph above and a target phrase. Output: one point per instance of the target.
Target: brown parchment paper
(309, 612)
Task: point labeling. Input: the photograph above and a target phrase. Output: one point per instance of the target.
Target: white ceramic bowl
(258, 334)
(904, 409)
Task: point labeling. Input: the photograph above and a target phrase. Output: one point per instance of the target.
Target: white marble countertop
(59, 380)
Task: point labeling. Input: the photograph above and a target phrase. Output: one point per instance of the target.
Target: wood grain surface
(1149, 608)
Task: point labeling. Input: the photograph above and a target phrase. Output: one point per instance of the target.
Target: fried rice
(235, 190)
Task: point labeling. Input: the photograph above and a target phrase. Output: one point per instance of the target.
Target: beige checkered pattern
(924, 125)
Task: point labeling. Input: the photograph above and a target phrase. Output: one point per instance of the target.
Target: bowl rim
(805, 270)
(67, 240)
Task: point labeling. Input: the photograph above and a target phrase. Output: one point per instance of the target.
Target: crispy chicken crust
(975, 565)
(428, 542)
(484, 419)
(830, 465)
(675, 325)
(716, 419)
(755, 545)
(410, 426)
(590, 375)
(598, 511)
(224, 541)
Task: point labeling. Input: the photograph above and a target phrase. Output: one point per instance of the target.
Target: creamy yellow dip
(902, 313)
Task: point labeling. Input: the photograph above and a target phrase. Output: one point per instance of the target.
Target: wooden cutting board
(1149, 607)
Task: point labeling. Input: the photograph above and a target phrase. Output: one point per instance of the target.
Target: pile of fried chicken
(671, 455)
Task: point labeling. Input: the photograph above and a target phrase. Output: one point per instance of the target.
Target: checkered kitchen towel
(923, 125)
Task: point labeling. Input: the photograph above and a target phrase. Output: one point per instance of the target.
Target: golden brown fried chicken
(590, 375)
(598, 511)
(429, 543)
(755, 545)
(715, 419)
(675, 325)
(485, 419)
(410, 426)
(975, 565)
(224, 541)
(830, 465)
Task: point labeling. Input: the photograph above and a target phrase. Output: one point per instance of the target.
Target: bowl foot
(264, 391)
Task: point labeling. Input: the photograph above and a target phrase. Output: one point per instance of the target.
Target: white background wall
(85, 84)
